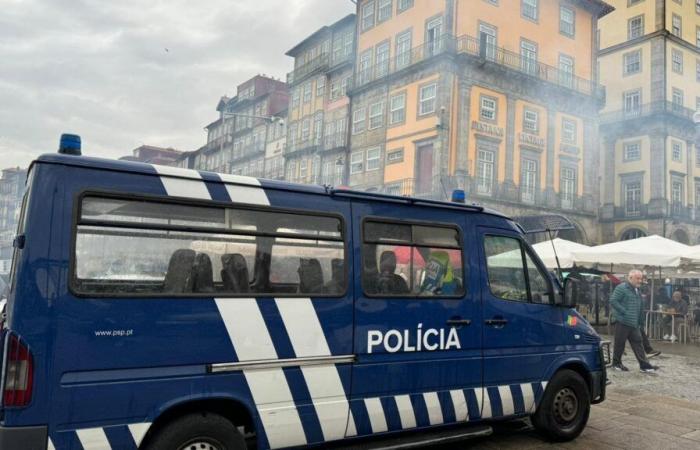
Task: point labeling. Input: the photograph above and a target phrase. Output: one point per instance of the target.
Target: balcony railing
(320, 62)
(648, 109)
(300, 146)
(335, 140)
(473, 47)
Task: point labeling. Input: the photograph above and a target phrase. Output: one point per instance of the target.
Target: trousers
(624, 333)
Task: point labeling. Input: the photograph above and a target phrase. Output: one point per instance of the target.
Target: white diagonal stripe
(324, 383)
(406, 413)
(191, 187)
(375, 411)
(247, 194)
(93, 439)
(252, 342)
(528, 397)
(544, 386)
(138, 431)
(239, 179)
(506, 400)
(49, 445)
(432, 402)
(459, 401)
(482, 397)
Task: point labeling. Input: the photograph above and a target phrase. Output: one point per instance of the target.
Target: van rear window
(133, 247)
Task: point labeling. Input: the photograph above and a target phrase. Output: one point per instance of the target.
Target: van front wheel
(563, 412)
(204, 431)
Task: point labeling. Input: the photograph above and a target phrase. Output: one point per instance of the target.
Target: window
(697, 73)
(356, 160)
(633, 198)
(677, 99)
(410, 260)
(566, 71)
(529, 9)
(676, 25)
(697, 6)
(381, 59)
(397, 113)
(528, 182)
(403, 49)
(321, 86)
(358, 120)
(376, 115)
(567, 188)
(303, 169)
(677, 195)
(305, 129)
(403, 5)
(368, 15)
(307, 92)
(485, 171)
(384, 10)
(528, 57)
(677, 61)
(567, 21)
(394, 156)
(427, 100)
(487, 34)
(365, 69)
(151, 248)
(433, 36)
(635, 27)
(373, 159)
(568, 131)
(512, 273)
(632, 62)
(531, 121)
(697, 35)
(677, 151)
(488, 108)
(295, 98)
(632, 102)
(632, 151)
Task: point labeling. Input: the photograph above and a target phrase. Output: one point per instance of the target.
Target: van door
(417, 322)
(522, 327)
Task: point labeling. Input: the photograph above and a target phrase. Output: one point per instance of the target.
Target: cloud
(101, 69)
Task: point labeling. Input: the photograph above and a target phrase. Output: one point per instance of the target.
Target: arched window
(680, 236)
(632, 233)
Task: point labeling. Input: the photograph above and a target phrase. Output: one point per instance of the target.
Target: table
(653, 317)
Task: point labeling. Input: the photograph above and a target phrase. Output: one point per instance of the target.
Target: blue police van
(161, 308)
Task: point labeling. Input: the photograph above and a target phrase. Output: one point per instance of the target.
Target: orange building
(498, 97)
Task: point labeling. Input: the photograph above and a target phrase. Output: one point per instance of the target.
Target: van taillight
(19, 373)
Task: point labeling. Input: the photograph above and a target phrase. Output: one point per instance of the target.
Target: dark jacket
(627, 305)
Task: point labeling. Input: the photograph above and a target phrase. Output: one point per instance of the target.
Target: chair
(203, 275)
(179, 277)
(234, 273)
(310, 276)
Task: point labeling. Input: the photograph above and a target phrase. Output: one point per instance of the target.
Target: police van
(163, 308)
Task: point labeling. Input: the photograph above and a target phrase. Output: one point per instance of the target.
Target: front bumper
(23, 438)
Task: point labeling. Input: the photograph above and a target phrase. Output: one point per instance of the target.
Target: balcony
(311, 144)
(472, 47)
(335, 140)
(647, 110)
(318, 63)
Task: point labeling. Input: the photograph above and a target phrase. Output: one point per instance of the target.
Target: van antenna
(556, 257)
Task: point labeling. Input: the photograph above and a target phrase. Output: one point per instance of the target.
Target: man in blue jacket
(627, 306)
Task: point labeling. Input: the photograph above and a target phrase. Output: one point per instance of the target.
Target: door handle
(459, 322)
(496, 322)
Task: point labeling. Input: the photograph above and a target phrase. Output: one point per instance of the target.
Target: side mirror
(571, 292)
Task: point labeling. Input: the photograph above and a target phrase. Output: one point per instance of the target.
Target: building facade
(12, 185)
(237, 140)
(154, 155)
(317, 134)
(499, 98)
(650, 63)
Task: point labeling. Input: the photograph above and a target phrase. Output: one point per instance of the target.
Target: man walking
(627, 304)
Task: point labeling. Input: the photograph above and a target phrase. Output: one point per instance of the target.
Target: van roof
(176, 172)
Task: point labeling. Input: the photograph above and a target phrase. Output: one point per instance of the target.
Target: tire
(563, 412)
(201, 431)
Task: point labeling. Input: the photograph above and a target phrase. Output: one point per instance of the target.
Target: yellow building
(498, 97)
(649, 62)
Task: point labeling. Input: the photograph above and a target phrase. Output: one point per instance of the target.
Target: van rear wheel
(202, 431)
(563, 412)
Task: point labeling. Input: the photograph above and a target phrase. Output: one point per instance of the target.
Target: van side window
(136, 247)
(506, 260)
(410, 260)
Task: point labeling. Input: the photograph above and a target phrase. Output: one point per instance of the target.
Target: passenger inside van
(389, 283)
(439, 276)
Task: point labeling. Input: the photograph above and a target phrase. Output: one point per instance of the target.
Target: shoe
(653, 353)
(666, 337)
(620, 368)
(650, 369)
(673, 338)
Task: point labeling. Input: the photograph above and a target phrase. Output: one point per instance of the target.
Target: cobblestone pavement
(642, 411)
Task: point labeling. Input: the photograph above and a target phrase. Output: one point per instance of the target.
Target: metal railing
(474, 47)
(335, 140)
(320, 62)
(299, 146)
(648, 109)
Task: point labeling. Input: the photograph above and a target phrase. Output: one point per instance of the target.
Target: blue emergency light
(69, 145)
(458, 196)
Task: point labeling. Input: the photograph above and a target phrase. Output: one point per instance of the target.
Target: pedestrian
(627, 309)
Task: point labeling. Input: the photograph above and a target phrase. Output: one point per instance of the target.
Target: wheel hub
(565, 405)
(201, 444)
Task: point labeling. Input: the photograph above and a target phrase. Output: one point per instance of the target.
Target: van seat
(234, 273)
(178, 279)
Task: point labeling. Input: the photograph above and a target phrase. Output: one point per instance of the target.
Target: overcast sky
(99, 68)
